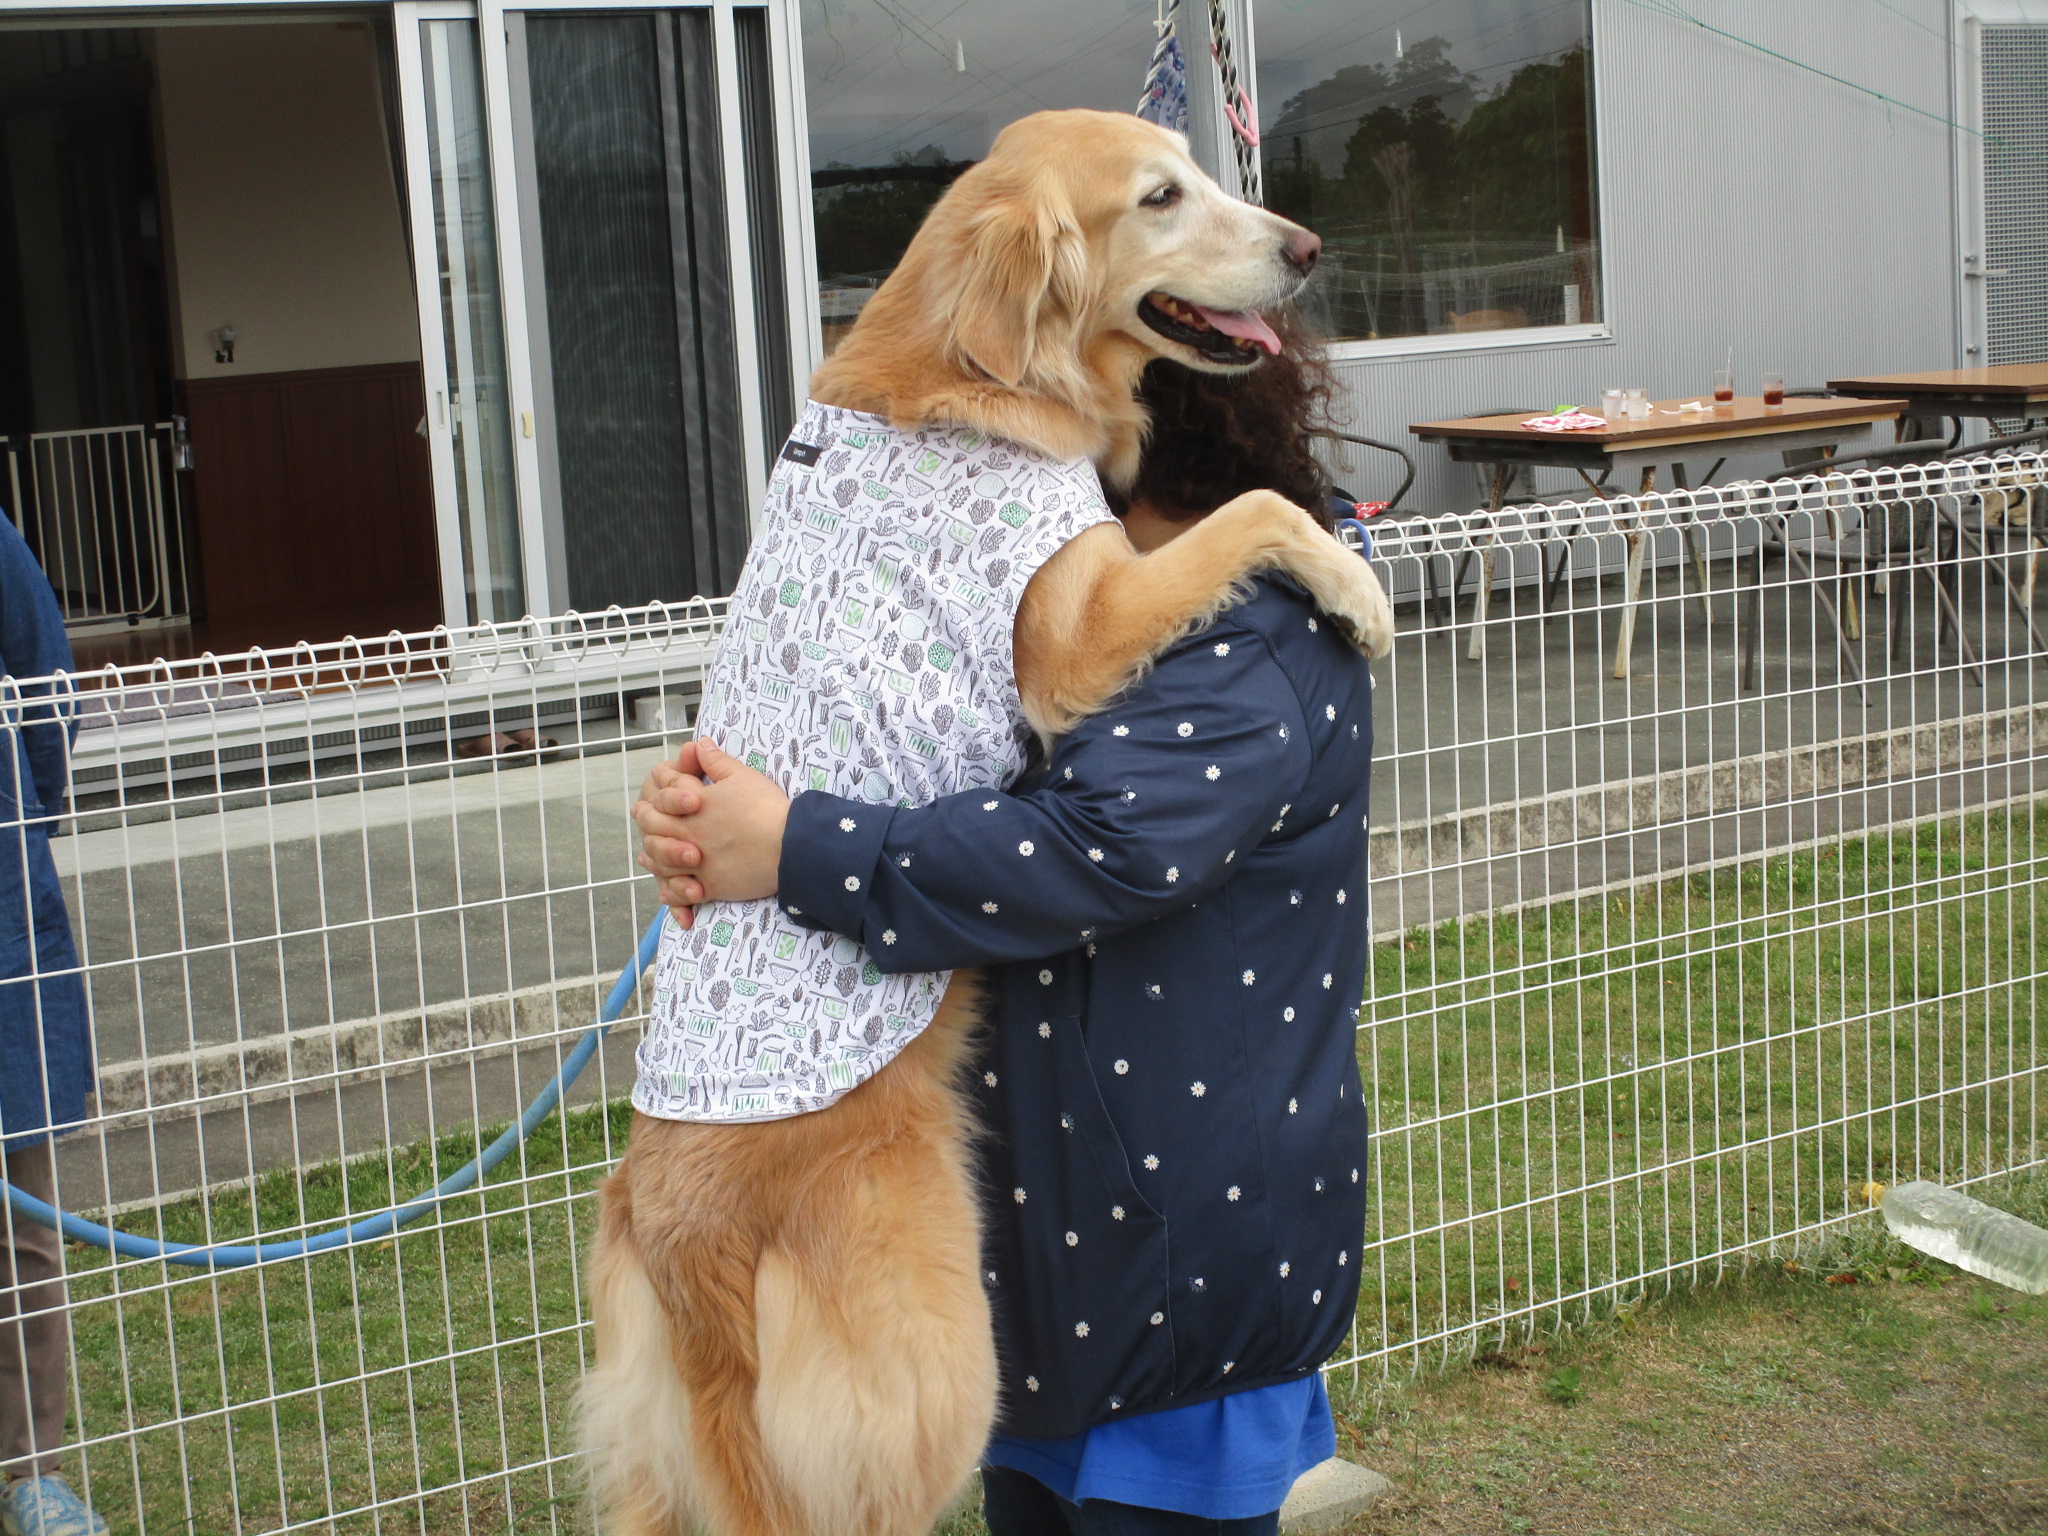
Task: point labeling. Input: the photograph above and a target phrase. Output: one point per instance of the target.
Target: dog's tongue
(1246, 323)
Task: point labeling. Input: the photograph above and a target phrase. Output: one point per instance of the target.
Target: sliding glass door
(459, 277)
(656, 301)
(605, 285)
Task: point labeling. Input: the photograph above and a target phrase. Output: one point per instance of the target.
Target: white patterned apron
(867, 653)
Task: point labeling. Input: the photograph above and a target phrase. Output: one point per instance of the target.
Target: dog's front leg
(1098, 611)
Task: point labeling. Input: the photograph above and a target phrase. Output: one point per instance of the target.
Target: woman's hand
(666, 795)
(710, 829)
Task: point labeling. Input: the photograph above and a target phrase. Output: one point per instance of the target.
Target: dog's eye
(1165, 197)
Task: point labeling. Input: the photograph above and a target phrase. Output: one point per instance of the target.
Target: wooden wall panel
(314, 505)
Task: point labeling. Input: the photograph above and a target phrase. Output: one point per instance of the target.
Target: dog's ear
(1025, 291)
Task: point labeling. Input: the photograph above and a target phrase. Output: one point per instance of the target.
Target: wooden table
(1666, 437)
(1985, 394)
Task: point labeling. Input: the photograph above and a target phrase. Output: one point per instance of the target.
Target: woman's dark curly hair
(1215, 436)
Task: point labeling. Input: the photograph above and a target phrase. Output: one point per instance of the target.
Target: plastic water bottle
(1969, 1234)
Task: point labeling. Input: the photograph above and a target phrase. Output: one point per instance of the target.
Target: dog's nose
(1301, 251)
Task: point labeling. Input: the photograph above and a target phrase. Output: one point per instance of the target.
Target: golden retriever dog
(791, 1336)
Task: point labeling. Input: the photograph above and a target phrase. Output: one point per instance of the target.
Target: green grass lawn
(1864, 1390)
(1569, 1100)
(1574, 1097)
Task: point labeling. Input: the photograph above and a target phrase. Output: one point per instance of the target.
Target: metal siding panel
(2016, 194)
(1745, 202)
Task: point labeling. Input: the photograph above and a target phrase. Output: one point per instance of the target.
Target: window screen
(2016, 194)
(640, 349)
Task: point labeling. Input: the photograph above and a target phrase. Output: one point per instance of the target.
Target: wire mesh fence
(1665, 966)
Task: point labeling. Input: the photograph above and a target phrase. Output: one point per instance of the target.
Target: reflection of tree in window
(866, 214)
(1443, 205)
(904, 95)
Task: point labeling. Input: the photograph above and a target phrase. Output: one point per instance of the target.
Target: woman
(45, 1053)
(1171, 921)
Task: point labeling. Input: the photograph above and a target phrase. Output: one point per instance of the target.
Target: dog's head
(1081, 225)
(1040, 285)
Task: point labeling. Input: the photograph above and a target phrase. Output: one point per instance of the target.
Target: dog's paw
(1349, 593)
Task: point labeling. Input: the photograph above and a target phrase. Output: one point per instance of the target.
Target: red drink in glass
(1774, 389)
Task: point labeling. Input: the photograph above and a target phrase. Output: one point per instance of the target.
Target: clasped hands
(710, 829)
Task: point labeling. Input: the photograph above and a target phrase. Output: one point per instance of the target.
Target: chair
(1498, 478)
(1392, 508)
(1934, 538)
(1407, 480)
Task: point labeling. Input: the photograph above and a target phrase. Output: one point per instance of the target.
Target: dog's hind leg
(703, 1275)
(878, 1379)
(634, 1413)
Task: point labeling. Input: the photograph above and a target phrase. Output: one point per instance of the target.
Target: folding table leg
(1475, 648)
(1696, 541)
(2018, 600)
(1696, 545)
(1632, 584)
(1554, 577)
(2033, 554)
(1437, 604)
(1475, 645)
(1852, 617)
(1750, 617)
(1631, 590)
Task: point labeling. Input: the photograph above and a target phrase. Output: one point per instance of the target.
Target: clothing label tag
(805, 454)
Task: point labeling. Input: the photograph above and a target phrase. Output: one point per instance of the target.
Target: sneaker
(46, 1506)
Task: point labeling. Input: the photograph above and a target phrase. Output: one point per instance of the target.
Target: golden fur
(792, 1337)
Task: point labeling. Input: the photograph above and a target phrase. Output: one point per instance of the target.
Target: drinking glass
(1774, 389)
(1613, 404)
(1724, 385)
(1638, 405)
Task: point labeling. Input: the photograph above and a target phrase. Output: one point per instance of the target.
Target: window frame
(1208, 136)
(1601, 332)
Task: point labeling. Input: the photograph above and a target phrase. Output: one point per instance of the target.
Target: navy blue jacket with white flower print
(1173, 920)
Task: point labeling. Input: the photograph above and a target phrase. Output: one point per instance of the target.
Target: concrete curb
(1814, 771)
(334, 1055)
(1329, 1495)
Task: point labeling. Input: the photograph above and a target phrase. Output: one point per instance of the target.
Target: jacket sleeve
(33, 645)
(1141, 812)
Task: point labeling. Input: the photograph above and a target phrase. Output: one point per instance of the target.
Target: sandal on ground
(46, 1506)
(505, 744)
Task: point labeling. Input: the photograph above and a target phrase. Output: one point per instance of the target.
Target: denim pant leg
(1101, 1517)
(34, 1350)
(1017, 1504)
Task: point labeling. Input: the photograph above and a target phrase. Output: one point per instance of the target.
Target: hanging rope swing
(1237, 108)
(1165, 97)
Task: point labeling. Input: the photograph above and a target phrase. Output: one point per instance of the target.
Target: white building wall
(284, 220)
(1744, 202)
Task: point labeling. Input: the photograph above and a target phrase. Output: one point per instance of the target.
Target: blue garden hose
(384, 1223)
